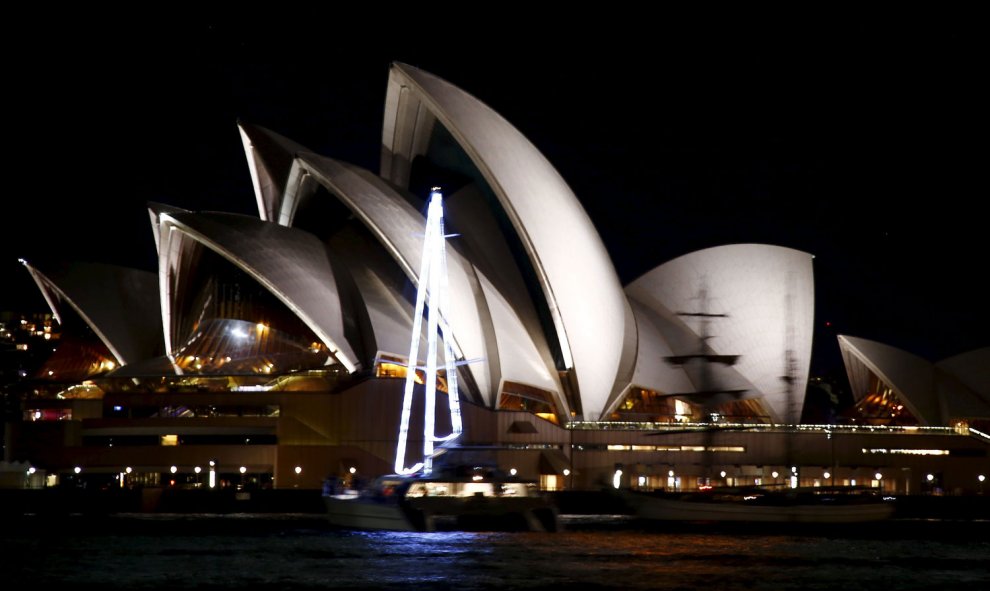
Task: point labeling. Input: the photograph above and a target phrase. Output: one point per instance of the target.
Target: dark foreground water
(242, 551)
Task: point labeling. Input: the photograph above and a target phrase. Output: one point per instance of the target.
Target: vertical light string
(432, 280)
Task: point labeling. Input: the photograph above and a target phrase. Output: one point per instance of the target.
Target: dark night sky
(861, 141)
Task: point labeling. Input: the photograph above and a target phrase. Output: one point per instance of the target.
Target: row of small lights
(878, 476)
(174, 469)
(513, 472)
(298, 470)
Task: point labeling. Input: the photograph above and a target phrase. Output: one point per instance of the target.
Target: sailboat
(440, 491)
(752, 504)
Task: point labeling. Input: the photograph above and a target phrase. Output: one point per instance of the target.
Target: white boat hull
(364, 514)
(422, 504)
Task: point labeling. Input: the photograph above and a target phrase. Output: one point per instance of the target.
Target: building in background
(267, 351)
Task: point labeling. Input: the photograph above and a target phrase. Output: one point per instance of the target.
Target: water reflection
(236, 552)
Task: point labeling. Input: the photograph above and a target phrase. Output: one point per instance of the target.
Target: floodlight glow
(243, 469)
(197, 469)
(77, 469)
(173, 469)
(512, 472)
(930, 477)
(298, 469)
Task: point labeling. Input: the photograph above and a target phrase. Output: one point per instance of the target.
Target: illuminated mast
(432, 279)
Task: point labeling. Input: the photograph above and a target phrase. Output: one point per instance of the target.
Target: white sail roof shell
(474, 305)
(576, 276)
(935, 394)
(119, 304)
(767, 294)
(293, 265)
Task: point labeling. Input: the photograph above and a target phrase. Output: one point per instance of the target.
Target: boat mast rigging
(433, 284)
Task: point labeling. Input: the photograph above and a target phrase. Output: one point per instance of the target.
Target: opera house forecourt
(271, 351)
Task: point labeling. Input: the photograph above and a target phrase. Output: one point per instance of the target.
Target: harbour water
(300, 551)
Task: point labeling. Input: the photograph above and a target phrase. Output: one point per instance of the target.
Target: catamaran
(446, 494)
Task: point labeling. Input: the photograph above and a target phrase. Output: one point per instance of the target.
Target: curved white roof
(972, 369)
(119, 304)
(381, 289)
(578, 281)
(651, 372)
(911, 377)
(767, 296)
(155, 210)
(293, 265)
(269, 157)
(934, 393)
(473, 312)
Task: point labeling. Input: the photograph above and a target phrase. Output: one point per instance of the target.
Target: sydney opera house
(272, 350)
